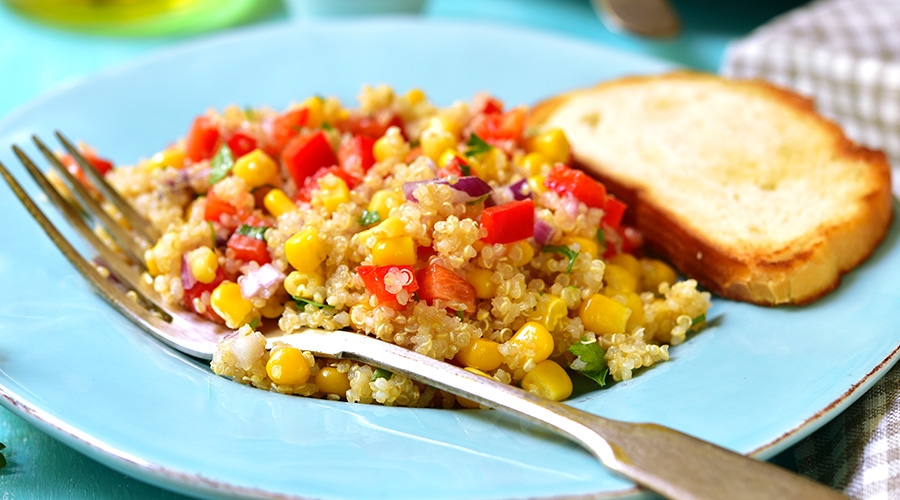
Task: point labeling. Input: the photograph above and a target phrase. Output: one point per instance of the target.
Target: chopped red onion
(260, 282)
(469, 188)
(520, 190)
(543, 231)
(187, 277)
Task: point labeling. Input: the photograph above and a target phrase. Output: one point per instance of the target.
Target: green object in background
(134, 18)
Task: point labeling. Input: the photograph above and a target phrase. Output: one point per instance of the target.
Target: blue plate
(755, 381)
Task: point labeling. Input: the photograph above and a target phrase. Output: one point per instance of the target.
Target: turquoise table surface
(35, 58)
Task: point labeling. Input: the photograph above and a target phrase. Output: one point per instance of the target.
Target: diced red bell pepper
(509, 222)
(564, 180)
(373, 126)
(496, 128)
(241, 144)
(457, 166)
(195, 292)
(374, 279)
(356, 155)
(287, 125)
(216, 207)
(247, 248)
(202, 139)
(439, 283)
(101, 165)
(304, 155)
(488, 104)
(614, 211)
(305, 192)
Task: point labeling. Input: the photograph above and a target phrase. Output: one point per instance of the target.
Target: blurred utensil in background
(651, 18)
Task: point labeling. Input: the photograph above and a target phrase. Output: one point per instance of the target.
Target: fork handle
(661, 459)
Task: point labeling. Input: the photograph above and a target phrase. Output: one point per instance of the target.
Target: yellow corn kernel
(384, 200)
(435, 140)
(391, 145)
(586, 245)
(228, 302)
(550, 310)
(482, 354)
(415, 96)
(618, 278)
(535, 338)
(468, 403)
(534, 163)
(387, 228)
(272, 310)
(333, 192)
(150, 262)
(549, 380)
(655, 272)
(330, 381)
(520, 253)
(633, 301)
(447, 157)
(256, 168)
(298, 284)
(305, 251)
(552, 143)
(316, 114)
(287, 366)
(278, 203)
(397, 251)
(204, 263)
(487, 165)
(480, 278)
(536, 183)
(172, 157)
(601, 315)
(627, 261)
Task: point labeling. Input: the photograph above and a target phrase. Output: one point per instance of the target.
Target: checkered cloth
(845, 54)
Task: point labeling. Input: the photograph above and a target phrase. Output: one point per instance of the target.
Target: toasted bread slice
(739, 184)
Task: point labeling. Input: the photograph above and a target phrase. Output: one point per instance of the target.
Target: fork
(668, 462)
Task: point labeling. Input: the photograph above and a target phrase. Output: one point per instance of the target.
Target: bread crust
(797, 272)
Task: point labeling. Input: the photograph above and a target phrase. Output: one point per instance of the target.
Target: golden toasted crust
(754, 268)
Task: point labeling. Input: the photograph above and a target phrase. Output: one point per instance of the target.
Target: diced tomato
(509, 222)
(488, 104)
(374, 279)
(202, 140)
(287, 125)
(101, 165)
(241, 144)
(247, 248)
(373, 126)
(457, 166)
(311, 183)
(497, 128)
(413, 154)
(195, 292)
(356, 156)
(439, 283)
(216, 207)
(304, 155)
(564, 180)
(614, 211)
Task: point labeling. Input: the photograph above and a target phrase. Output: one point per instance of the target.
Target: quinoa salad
(453, 232)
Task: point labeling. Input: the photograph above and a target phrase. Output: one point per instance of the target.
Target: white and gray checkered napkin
(845, 54)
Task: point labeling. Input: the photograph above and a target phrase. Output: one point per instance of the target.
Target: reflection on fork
(668, 462)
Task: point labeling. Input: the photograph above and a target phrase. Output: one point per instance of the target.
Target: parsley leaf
(461, 314)
(591, 356)
(601, 237)
(476, 145)
(257, 232)
(465, 169)
(301, 303)
(563, 250)
(698, 320)
(221, 164)
(381, 373)
(254, 323)
(369, 217)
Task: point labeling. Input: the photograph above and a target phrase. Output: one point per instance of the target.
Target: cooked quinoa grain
(442, 230)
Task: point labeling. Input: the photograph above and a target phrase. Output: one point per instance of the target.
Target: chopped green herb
(369, 217)
(257, 232)
(381, 373)
(563, 250)
(698, 320)
(212, 231)
(601, 237)
(478, 200)
(327, 127)
(221, 164)
(461, 314)
(591, 361)
(465, 170)
(302, 303)
(250, 113)
(254, 323)
(476, 146)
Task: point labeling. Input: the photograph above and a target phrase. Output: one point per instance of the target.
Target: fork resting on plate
(658, 458)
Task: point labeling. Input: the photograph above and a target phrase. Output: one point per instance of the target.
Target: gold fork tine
(136, 220)
(133, 247)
